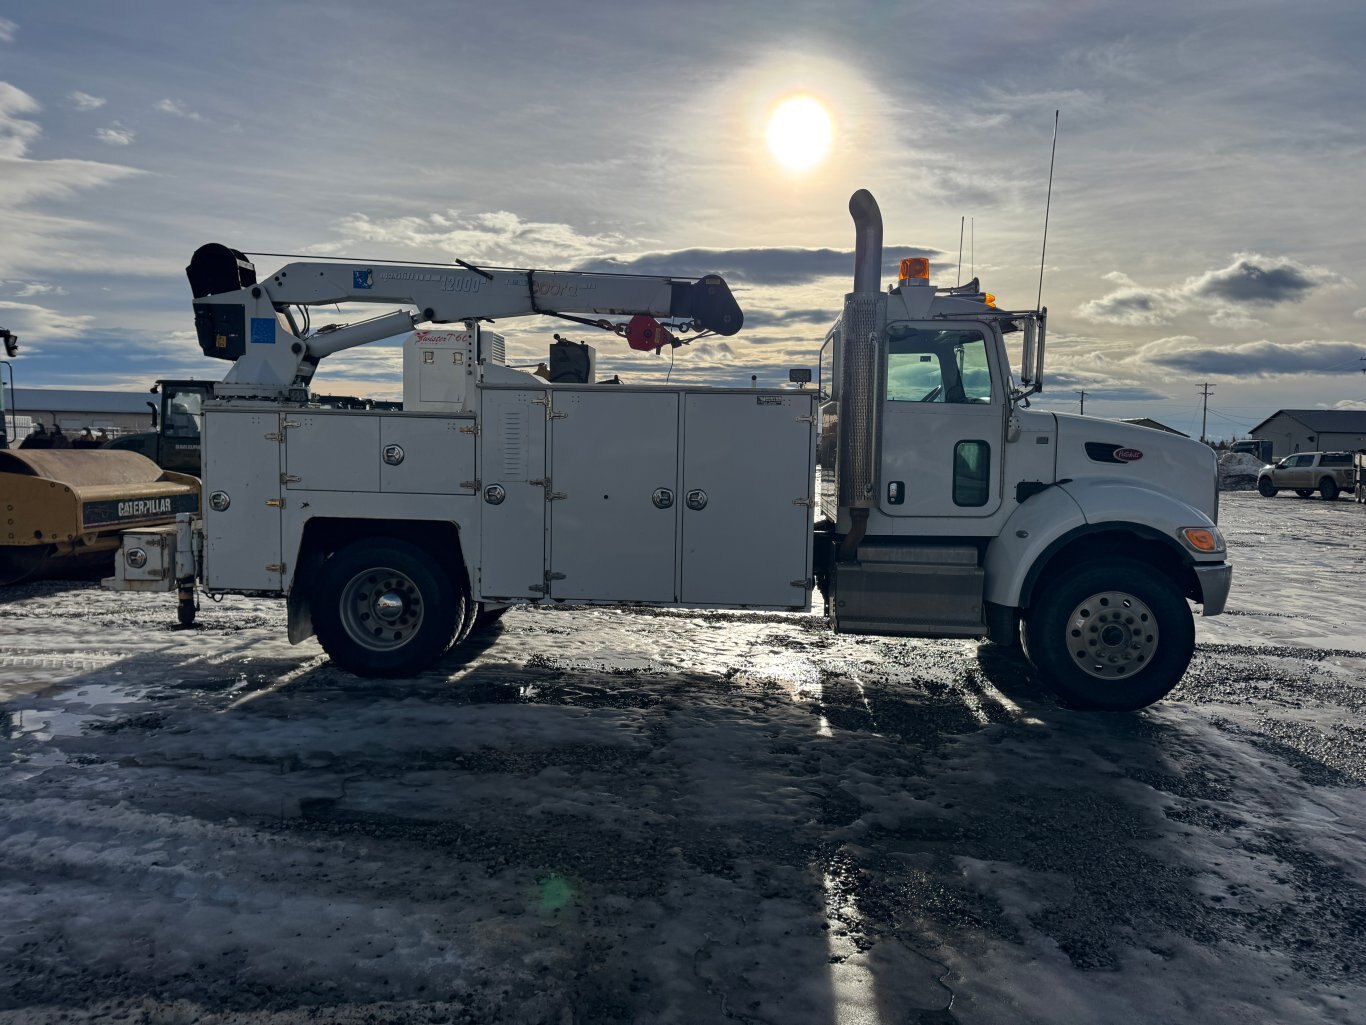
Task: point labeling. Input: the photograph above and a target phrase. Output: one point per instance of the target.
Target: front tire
(1115, 635)
(1328, 488)
(385, 608)
(1265, 488)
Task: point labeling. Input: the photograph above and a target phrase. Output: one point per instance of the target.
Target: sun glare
(799, 132)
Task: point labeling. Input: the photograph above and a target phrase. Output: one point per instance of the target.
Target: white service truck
(913, 485)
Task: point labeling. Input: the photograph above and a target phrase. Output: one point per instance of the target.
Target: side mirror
(1031, 338)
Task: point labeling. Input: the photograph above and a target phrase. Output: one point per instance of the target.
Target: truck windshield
(938, 366)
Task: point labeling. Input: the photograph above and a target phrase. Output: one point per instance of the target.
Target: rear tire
(384, 607)
(469, 614)
(1328, 488)
(1115, 635)
(1266, 488)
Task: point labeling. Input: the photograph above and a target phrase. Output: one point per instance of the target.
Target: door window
(971, 473)
(938, 366)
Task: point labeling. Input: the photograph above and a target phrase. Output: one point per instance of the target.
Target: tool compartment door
(513, 496)
(748, 469)
(242, 460)
(335, 450)
(611, 451)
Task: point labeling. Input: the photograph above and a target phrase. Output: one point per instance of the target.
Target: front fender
(1122, 500)
(1071, 509)
(1025, 537)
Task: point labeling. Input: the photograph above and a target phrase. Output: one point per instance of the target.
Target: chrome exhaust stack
(861, 372)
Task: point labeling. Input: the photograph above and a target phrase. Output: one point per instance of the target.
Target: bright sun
(799, 132)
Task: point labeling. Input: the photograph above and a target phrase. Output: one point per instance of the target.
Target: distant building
(114, 412)
(1312, 430)
(1143, 421)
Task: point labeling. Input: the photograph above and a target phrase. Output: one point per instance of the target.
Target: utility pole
(1205, 389)
(1083, 402)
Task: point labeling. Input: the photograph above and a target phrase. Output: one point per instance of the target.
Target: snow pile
(1238, 471)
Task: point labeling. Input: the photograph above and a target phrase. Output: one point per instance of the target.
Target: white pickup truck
(1328, 473)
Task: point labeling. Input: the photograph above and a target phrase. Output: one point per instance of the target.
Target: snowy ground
(612, 817)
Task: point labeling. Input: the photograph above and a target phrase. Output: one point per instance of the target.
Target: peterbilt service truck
(912, 485)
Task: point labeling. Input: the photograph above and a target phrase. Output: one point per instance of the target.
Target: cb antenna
(1038, 303)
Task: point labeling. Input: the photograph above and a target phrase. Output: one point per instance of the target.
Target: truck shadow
(664, 843)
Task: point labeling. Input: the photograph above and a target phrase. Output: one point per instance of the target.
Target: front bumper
(1215, 579)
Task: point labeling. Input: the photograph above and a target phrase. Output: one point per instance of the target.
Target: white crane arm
(245, 320)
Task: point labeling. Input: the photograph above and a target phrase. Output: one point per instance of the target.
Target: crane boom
(246, 320)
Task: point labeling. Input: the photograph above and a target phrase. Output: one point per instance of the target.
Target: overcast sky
(1207, 219)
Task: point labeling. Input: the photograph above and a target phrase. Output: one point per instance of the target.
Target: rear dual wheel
(1115, 635)
(385, 608)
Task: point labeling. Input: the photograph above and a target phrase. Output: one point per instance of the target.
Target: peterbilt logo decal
(1101, 452)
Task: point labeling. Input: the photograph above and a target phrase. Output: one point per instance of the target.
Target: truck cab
(951, 508)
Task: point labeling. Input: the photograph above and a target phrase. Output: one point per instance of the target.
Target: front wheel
(1328, 488)
(385, 608)
(1266, 488)
(1116, 635)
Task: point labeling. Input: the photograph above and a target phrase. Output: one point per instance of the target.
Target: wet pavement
(659, 816)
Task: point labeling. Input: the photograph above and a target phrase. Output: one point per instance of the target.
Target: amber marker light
(915, 267)
(1203, 539)
(989, 299)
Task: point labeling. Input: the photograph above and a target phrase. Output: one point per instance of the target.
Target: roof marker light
(915, 267)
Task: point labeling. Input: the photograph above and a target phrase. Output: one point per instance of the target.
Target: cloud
(1258, 281)
(1360, 314)
(33, 240)
(1058, 386)
(29, 289)
(7, 30)
(115, 135)
(1253, 359)
(1251, 280)
(711, 352)
(760, 266)
(497, 238)
(1131, 306)
(16, 132)
(84, 101)
(30, 321)
(791, 318)
(23, 179)
(178, 108)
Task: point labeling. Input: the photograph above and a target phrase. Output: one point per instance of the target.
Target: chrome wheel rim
(1112, 635)
(381, 609)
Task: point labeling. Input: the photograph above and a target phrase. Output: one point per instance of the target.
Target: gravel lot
(614, 816)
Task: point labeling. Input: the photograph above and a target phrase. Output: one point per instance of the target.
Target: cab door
(943, 421)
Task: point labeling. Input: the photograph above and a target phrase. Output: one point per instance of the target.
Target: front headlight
(1202, 540)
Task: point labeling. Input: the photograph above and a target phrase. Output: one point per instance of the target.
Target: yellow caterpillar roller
(59, 504)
